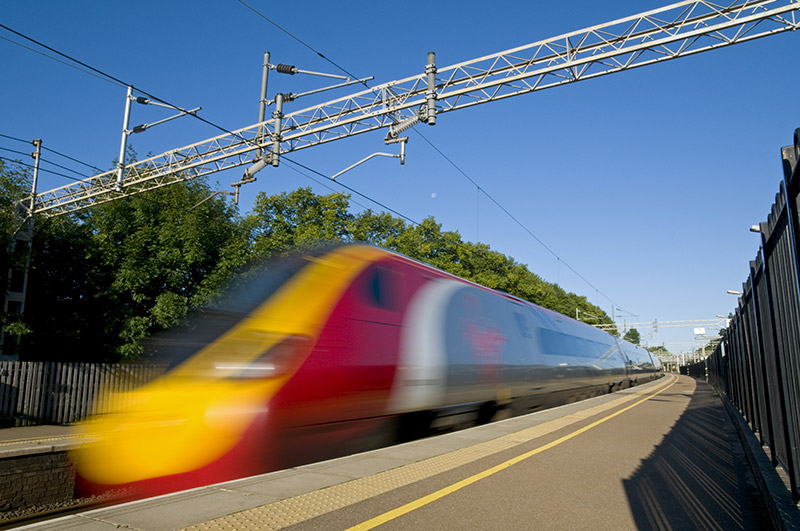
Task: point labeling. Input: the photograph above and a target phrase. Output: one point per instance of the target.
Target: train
(336, 350)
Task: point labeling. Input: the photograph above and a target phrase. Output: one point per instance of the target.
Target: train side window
(558, 344)
(380, 288)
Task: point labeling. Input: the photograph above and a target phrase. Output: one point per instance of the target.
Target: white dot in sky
(433, 194)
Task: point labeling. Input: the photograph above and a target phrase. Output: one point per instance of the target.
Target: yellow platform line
(304, 507)
(430, 498)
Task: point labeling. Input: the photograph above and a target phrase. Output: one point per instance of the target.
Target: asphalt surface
(664, 456)
(671, 462)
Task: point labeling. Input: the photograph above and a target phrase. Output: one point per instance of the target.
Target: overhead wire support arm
(145, 127)
(292, 70)
(677, 30)
(291, 96)
(120, 171)
(273, 157)
(401, 156)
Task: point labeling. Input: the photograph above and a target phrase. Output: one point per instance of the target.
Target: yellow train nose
(171, 427)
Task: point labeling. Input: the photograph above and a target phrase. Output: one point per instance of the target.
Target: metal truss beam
(670, 32)
(699, 323)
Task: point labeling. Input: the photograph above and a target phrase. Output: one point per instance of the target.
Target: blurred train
(340, 350)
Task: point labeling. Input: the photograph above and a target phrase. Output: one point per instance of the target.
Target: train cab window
(381, 287)
(524, 329)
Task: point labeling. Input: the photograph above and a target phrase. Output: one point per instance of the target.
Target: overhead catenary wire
(73, 159)
(34, 50)
(322, 183)
(123, 83)
(470, 179)
(517, 221)
(225, 130)
(395, 212)
(40, 168)
(47, 161)
(298, 39)
(15, 138)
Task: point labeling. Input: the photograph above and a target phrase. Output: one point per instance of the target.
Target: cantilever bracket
(401, 155)
(211, 197)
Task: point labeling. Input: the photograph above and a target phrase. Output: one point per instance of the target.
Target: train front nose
(193, 419)
(171, 428)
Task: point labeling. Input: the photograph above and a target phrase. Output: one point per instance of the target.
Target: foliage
(281, 222)
(659, 350)
(105, 279)
(299, 218)
(14, 184)
(633, 336)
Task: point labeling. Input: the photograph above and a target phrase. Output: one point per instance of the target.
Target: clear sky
(645, 181)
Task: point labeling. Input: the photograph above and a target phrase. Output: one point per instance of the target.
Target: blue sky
(645, 182)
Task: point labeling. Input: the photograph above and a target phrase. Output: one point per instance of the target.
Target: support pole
(37, 155)
(262, 107)
(430, 94)
(124, 144)
(276, 133)
(26, 234)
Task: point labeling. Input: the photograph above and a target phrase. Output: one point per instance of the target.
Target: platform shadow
(697, 478)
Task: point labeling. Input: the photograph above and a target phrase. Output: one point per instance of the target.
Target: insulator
(399, 127)
(286, 69)
(142, 100)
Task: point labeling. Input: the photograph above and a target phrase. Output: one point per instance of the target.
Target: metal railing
(757, 365)
(34, 393)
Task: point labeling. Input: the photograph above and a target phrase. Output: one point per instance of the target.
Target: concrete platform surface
(30, 440)
(658, 456)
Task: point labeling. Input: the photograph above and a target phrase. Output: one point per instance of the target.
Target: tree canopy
(659, 350)
(103, 280)
(633, 336)
(14, 184)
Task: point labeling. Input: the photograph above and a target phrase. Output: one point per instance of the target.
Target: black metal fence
(758, 363)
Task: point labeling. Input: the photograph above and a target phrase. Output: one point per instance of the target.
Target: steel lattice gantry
(677, 30)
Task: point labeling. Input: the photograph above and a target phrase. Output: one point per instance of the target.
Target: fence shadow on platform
(697, 478)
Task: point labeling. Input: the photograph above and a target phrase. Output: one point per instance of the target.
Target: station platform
(31, 440)
(664, 455)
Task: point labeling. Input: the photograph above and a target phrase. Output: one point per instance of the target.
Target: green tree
(14, 184)
(64, 305)
(633, 336)
(104, 280)
(659, 350)
(280, 222)
(381, 229)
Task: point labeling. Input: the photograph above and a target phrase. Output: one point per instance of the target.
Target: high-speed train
(336, 351)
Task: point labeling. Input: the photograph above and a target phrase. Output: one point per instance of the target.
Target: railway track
(34, 515)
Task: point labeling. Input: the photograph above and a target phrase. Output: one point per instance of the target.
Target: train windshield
(244, 293)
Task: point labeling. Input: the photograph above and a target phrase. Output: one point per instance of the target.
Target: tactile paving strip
(300, 508)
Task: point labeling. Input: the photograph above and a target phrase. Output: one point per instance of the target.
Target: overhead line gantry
(677, 30)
